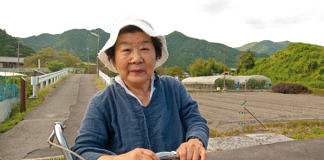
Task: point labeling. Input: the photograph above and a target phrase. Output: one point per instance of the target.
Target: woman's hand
(192, 150)
(136, 154)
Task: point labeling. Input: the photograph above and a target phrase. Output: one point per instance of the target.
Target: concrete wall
(6, 107)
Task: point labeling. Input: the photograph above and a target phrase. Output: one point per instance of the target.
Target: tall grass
(318, 91)
(100, 84)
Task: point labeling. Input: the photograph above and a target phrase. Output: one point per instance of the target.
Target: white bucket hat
(146, 27)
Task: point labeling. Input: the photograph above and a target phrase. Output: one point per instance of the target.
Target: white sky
(231, 22)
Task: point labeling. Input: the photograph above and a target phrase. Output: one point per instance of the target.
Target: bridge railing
(104, 77)
(24, 70)
(47, 79)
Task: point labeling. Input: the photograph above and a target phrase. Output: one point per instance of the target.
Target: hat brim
(147, 28)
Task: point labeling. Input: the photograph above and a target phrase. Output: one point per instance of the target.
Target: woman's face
(135, 58)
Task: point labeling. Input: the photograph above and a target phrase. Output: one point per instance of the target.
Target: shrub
(230, 84)
(55, 66)
(256, 84)
(288, 88)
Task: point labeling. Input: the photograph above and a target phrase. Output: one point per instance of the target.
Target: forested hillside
(74, 41)
(184, 50)
(9, 46)
(264, 48)
(298, 63)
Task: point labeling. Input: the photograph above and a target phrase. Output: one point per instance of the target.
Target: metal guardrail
(106, 78)
(24, 70)
(47, 79)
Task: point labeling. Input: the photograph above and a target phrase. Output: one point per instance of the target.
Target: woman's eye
(145, 49)
(126, 50)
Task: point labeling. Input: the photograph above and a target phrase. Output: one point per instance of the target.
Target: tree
(175, 71)
(49, 55)
(201, 67)
(247, 61)
(162, 70)
(55, 66)
(9, 46)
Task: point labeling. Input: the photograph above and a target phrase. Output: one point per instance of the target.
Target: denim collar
(121, 83)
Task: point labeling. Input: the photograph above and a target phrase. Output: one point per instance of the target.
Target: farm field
(222, 110)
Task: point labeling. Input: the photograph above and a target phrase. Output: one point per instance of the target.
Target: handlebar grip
(168, 155)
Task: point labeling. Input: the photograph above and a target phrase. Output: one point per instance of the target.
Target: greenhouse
(231, 82)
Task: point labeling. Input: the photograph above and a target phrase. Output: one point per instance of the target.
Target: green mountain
(9, 46)
(297, 63)
(74, 41)
(184, 50)
(264, 48)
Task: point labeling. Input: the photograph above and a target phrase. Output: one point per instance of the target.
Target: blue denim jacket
(116, 123)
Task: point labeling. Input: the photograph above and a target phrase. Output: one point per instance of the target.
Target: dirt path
(222, 109)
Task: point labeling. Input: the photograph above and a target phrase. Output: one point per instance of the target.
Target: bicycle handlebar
(58, 133)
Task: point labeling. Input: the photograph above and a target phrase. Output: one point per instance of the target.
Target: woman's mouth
(137, 71)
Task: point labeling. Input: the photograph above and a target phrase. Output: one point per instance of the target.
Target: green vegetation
(230, 84)
(264, 48)
(171, 71)
(299, 63)
(75, 41)
(201, 67)
(54, 66)
(317, 91)
(16, 116)
(100, 84)
(49, 56)
(256, 84)
(175, 71)
(9, 46)
(247, 61)
(184, 50)
(295, 129)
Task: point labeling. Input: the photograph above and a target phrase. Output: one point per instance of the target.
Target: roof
(212, 79)
(11, 59)
(11, 74)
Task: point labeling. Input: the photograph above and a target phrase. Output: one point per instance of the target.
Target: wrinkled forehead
(137, 38)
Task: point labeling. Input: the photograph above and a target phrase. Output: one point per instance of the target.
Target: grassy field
(16, 116)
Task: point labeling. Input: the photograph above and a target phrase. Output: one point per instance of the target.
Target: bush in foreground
(288, 88)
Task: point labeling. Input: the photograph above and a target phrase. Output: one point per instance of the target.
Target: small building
(11, 62)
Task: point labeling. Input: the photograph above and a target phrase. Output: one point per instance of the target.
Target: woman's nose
(136, 56)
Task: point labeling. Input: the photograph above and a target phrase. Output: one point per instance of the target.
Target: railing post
(47, 83)
(42, 85)
(22, 95)
(34, 82)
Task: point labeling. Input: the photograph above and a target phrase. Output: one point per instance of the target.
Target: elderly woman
(140, 112)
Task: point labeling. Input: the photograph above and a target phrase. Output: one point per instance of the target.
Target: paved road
(312, 149)
(67, 103)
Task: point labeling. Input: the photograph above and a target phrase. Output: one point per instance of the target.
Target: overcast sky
(231, 22)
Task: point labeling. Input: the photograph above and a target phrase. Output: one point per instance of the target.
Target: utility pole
(224, 72)
(97, 53)
(98, 42)
(88, 60)
(18, 54)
